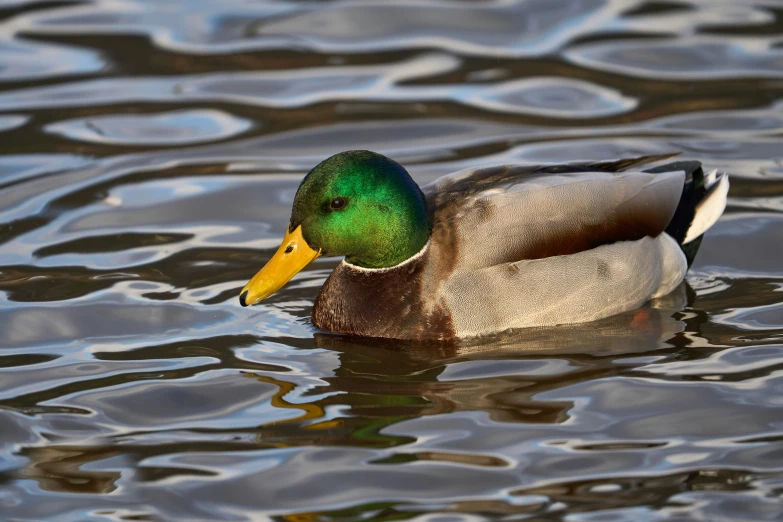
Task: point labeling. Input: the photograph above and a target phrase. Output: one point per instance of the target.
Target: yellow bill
(293, 255)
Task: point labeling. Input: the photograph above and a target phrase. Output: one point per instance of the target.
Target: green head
(363, 206)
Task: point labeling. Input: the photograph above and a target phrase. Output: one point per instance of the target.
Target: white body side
(565, 289)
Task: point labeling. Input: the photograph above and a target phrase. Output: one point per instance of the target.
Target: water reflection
(178, 128)
(705, 59)
(150, 152)
(22, 60)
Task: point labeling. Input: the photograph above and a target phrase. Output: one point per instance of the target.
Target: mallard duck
(490, 249)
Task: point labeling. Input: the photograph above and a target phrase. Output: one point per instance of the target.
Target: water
(149, 154)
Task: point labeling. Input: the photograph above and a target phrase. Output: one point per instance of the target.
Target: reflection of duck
(503, 375)
(489, 249)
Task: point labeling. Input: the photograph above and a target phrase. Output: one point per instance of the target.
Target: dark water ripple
(149, 154)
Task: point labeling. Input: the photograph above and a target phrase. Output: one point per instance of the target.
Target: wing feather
(512, 213)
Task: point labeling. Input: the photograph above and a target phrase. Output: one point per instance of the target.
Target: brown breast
(397, 303)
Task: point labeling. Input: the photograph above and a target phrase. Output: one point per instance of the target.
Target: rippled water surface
(149, 154)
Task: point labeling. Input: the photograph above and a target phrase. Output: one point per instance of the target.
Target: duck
(494, 248)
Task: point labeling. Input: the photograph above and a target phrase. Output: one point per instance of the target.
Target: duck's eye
(338, 203)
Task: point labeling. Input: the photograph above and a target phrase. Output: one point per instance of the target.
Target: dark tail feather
(693, 192)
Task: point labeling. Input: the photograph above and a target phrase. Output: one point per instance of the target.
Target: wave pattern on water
(149, 155)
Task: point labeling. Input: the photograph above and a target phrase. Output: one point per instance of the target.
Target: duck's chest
(392, 303)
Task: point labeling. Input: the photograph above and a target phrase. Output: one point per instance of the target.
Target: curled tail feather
(709, 209)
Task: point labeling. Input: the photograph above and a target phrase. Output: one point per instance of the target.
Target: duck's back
(510, 213)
